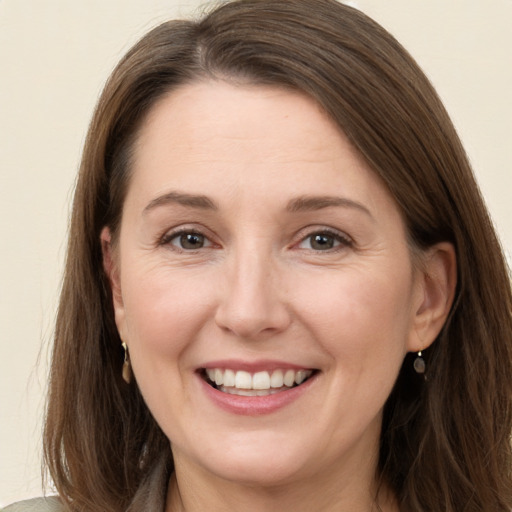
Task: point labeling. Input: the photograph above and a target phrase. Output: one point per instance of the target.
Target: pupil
(322, 242)
(191, 241)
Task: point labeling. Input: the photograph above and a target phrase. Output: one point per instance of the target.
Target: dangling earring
(127, 369)
(419, 364)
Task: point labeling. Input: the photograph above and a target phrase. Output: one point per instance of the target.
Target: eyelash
(343, 240)
(168, 238)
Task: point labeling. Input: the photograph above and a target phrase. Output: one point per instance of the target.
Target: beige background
(54, 57)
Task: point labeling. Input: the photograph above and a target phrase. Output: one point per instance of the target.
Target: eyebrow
(312, 203)
(183, 199)
(299, 204)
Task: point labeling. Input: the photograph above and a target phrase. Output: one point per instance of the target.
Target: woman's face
(258, 249)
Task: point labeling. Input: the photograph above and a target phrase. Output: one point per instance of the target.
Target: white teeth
(289, 378)
(243, 380)
(261, 380)
(300, 376)
(264, 382)
(276, 380)
(249, 392)
(229, 378)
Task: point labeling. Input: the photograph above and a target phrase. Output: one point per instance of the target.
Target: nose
(253, 301)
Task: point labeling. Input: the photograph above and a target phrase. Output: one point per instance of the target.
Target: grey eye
(322, 241)
(189, 241)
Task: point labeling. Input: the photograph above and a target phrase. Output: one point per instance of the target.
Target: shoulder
(50, 504)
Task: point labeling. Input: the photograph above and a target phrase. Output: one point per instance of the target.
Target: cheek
(360, 316)
(163, 311)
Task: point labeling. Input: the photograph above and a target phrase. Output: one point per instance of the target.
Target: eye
(187, 240)
(324, 241)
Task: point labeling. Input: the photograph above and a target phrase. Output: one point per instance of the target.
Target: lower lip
(255, 405)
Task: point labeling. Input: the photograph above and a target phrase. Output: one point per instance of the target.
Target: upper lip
(254, 366)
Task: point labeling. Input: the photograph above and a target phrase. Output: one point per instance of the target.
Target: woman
(283, 290)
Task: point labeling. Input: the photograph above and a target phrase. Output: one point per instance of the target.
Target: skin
(259, 287)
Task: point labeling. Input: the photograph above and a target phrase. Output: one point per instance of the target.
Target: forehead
(250, 139)
(199, 112)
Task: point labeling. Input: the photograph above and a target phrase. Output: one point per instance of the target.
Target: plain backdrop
(54, 58)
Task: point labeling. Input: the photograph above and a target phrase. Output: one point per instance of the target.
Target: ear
(436, 281)
(111, 268)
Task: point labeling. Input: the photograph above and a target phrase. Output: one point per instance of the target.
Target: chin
(255, 463)
(259, 473)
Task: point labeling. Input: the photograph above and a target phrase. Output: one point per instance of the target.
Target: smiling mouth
(243, 383)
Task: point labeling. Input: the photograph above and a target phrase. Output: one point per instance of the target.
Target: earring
(419, 364)
(127, 369)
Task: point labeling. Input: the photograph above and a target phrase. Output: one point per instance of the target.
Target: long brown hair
(445, 442)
